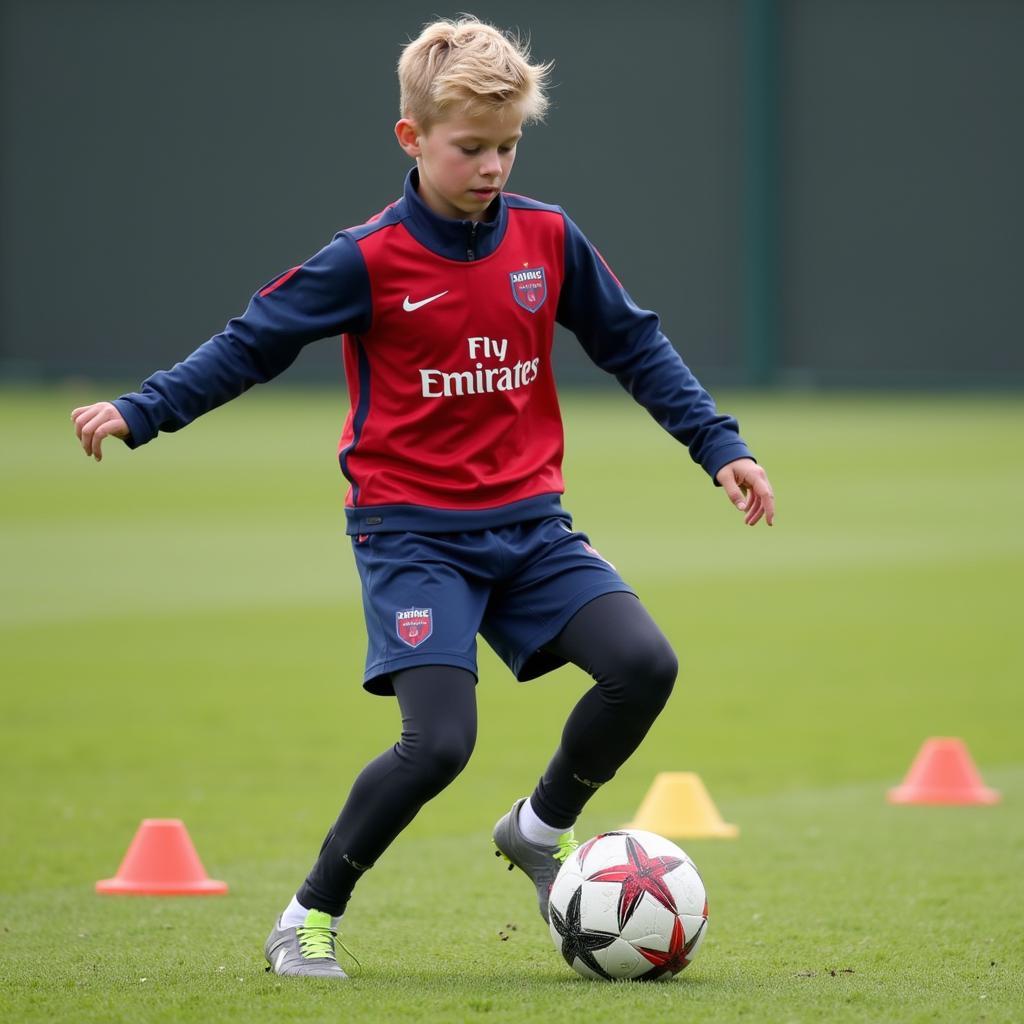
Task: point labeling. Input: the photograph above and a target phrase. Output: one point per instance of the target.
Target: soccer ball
(628, 904)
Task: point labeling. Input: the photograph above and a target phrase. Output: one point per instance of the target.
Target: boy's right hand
(95, 422)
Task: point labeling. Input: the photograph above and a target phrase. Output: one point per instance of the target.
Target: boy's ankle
(535, 830)
(294, 915)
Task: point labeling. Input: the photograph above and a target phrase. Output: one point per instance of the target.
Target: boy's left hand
(748, 488)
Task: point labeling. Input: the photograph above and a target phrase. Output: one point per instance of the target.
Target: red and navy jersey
(448, 327)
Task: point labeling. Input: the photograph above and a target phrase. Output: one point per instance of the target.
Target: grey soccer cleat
(306, 951)
(540, 863)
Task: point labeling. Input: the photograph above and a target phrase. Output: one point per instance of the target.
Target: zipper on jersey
(471, 248)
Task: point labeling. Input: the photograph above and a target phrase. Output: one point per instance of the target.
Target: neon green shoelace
(566, 844)
(316, 941)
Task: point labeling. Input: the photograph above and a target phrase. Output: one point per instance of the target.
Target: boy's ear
(408, 134)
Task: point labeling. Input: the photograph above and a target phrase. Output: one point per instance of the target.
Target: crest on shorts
(414, 625)
(529, 287)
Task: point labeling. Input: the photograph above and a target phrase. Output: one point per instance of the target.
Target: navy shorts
(427, 595)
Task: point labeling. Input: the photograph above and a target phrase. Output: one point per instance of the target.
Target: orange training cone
(678, 806)
(943, 773)
(161, 861)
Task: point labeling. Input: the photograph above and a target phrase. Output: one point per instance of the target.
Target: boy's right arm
(326, 296)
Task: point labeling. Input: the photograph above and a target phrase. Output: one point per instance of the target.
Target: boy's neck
(448, 236)
(437, 206)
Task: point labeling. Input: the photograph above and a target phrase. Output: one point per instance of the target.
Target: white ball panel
(581, 968)
(649, 919)
(687, 888)
(621, 960)
(599, 907)
(691, 925)
(566, 883)
(608, 851)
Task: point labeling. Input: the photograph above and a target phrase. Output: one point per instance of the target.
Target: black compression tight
(438, 705)
(612, 638)
(620, 646)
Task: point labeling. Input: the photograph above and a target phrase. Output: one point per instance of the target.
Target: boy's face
(463, 161)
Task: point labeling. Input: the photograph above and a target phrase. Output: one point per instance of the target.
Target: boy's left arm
(628, 342)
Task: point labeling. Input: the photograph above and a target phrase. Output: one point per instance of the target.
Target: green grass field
(182, 637)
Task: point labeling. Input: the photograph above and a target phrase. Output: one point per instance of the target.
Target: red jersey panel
(453, 402)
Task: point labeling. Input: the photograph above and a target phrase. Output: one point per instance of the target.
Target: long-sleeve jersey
(447, 332)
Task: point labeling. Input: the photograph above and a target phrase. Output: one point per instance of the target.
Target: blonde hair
(469, 67)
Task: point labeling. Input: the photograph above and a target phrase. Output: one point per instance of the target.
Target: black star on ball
(577, 942)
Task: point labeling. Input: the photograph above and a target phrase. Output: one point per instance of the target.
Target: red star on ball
(675, 958)
(642, 874)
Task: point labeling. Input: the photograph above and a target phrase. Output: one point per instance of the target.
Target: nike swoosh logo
(410, 306)
(280, 956)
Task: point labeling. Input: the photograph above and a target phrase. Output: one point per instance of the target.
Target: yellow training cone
(678, 806)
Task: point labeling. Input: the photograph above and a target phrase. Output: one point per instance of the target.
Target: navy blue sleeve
(326, 296)
(627, 341)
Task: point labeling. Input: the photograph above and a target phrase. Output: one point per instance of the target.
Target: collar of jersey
(447, 237)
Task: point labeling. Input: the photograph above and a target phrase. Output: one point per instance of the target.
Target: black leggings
(612, 638)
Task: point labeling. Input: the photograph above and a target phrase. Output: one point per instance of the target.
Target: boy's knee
(446, 754)
(646, 672)
(662, 668)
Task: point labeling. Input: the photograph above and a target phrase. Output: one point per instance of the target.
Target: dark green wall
(904, 162)
(162, 160)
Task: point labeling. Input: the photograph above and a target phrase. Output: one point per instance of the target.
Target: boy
(452, 447)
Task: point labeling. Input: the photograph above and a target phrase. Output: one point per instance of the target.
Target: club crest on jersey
(529, 288)
(414, 625)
